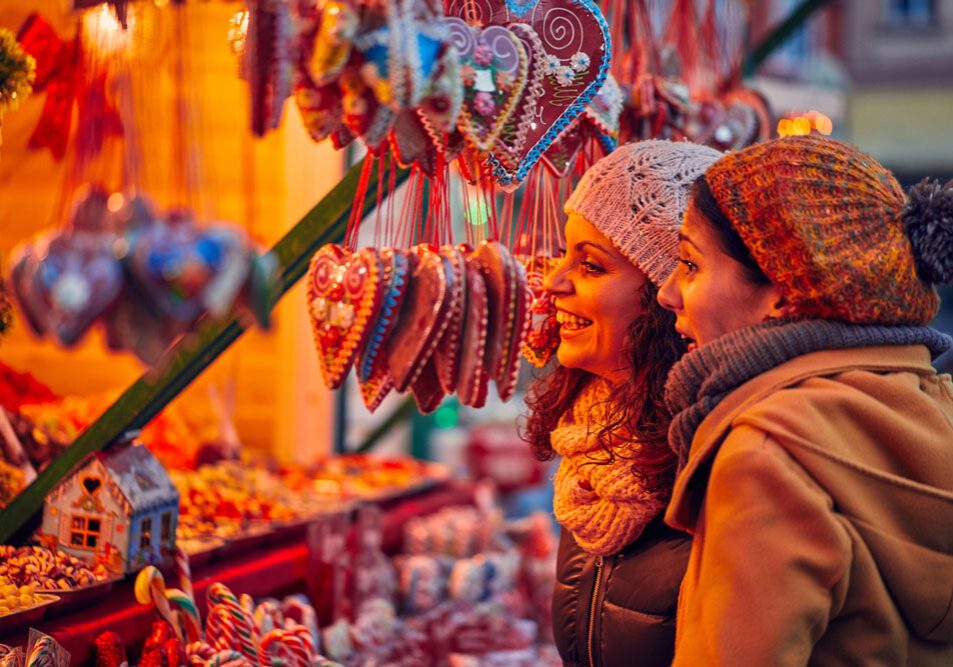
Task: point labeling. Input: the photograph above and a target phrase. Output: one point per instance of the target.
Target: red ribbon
(59, 70)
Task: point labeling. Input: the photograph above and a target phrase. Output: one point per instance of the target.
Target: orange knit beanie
(827, 225)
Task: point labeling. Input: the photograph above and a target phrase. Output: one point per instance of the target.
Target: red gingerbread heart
(344, 293)
(575, 38)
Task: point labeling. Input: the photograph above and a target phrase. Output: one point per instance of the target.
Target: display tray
(252, 537)
(21, 619)
(76, 598)
(201, 549)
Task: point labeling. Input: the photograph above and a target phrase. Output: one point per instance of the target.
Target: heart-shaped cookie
(513, 137)
(421, 322)
(576, 57)
(344, 293)
(396, 279)
(77, 279)
(426, 389)
(22, 270)
(446, 357)
(473, 380)
(493, 69)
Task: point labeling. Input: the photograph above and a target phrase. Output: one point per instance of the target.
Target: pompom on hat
(832, 230)
(636, 196)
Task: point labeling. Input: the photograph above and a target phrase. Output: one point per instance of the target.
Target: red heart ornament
(344, 292)
(493, 69)
(577, 52)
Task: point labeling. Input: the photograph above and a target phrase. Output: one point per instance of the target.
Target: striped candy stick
(219, 594)
(185, 572)
(220, 630)
(187, 613)
(303, 635)
(150, 587)
(225, 657)
(42, 652)
(274, 650)
(198, 653)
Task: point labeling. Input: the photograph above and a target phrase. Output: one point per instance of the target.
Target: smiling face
(597, 293)
(710, 292)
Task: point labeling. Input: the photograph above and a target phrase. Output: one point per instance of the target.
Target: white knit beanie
(636, 197)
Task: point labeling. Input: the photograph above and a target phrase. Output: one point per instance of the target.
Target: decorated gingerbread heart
(493, 69)
(77, 279)
(474, 378)
(421, 322)
(344, 294)
(447, 355)
(267, 62)
(576, 57)
(542, 335)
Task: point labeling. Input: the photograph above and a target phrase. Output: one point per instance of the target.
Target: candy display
(49, 570)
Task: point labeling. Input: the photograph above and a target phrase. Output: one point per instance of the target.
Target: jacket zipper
(592, 608)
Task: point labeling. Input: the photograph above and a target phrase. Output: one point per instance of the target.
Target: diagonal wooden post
(325, 223)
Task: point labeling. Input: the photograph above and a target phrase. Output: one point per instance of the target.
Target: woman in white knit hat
(601, 408)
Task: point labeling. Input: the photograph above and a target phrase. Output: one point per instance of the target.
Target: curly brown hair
(636, 409)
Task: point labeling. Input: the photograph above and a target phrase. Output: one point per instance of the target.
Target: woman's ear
(779, 308)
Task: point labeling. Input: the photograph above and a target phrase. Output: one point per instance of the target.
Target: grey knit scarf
(703, 377)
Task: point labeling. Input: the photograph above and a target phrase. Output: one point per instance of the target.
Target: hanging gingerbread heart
(426, 389)
(319, 106)
(474, 378)
(493, 69)
(439, 108)
(326, 49)
(267, 62)
(513, 137)
(577, 48)
(421, 322)
(396, 280)
(603, 113)
(542, 335)
(22, 270)
(560, 157)
(77, 280)
(344, 293)
(447, 354)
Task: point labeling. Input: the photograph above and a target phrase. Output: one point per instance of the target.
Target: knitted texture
(703, 377)
(636, 196)
(602, 504)
(823, 221)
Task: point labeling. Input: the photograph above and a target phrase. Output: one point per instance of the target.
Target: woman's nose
(556, 281)
(669, 296)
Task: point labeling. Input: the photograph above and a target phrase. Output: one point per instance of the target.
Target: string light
(801, 124)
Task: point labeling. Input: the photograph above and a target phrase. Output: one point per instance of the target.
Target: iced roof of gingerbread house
(140, 477)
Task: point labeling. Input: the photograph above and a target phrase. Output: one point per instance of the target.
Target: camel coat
(820, 499)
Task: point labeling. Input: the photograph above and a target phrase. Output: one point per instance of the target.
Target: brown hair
(636, 409)
(728, 238)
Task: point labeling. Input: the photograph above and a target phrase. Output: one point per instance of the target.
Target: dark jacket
(635, 600)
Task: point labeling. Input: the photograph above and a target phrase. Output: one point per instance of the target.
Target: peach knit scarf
(602, 504)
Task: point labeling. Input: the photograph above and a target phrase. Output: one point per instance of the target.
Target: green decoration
(325, 223)
(17, 70)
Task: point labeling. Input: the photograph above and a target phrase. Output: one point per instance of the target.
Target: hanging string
(357, 207)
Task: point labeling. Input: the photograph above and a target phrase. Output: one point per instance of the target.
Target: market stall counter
(284, 564)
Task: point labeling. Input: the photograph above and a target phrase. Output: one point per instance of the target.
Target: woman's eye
(589, 267)
(690, 265)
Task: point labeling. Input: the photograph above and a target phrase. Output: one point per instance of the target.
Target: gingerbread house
(119, 507)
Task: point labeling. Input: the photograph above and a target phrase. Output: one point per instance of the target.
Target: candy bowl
(21, 618)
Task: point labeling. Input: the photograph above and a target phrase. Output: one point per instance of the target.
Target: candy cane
(219, 594)
(150, 587)
(303, 635)
(185, 573)
(199, 653)
(226, 657)
(188, 613)
(267, 617)
(309, 618)
(287, 650)
(220, 630)
(42, 653)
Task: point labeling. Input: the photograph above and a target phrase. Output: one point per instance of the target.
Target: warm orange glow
(802, 125)
(102, 32)
(785, 127)
(823, 124)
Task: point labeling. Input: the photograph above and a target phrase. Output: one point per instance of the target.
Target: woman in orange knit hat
(602, 408)
(814, 439)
